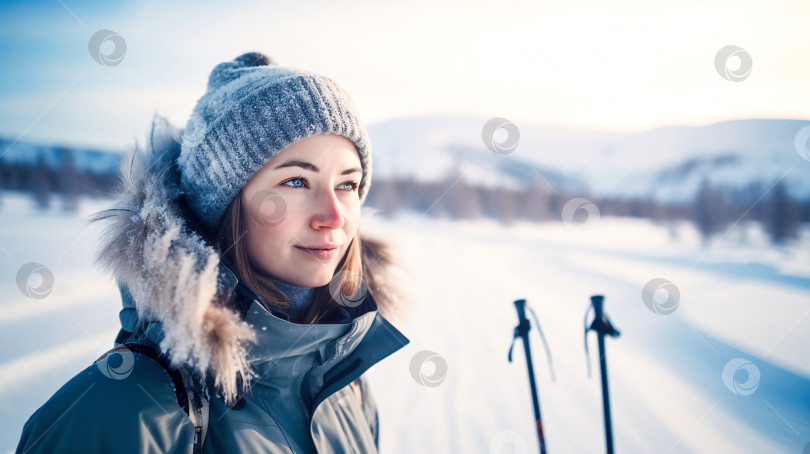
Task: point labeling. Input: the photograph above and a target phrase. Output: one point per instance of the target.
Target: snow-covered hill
(664, 163)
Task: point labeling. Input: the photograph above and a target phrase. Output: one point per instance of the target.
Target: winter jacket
(303, 392)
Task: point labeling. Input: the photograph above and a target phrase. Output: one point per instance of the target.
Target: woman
(248, 318)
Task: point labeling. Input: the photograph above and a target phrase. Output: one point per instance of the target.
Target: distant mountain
(84, 161)
(665, 164)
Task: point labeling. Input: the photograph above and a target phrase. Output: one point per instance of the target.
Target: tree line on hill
(713, 209)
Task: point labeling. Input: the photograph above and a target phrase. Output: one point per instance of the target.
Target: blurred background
(656, 155)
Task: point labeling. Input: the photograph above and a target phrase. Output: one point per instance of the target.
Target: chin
(315, 280)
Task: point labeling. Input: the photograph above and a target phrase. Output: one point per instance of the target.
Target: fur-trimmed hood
(174, 275)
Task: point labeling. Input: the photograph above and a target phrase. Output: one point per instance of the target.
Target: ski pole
(522, 330)
(603, 327)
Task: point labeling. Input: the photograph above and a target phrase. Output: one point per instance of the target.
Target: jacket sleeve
(127, 407)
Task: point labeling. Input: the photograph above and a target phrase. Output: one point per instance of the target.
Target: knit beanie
(252, 109)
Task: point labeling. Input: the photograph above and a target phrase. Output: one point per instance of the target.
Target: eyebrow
(312, 167)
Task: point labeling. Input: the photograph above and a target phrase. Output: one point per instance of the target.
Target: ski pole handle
(598, 302)
(521, 309)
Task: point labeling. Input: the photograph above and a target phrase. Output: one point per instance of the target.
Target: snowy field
(726, 372)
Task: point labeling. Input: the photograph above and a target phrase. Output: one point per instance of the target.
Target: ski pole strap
(602, 326)
(587, 354)
(523, 329)
(512, 345)
(545, 344)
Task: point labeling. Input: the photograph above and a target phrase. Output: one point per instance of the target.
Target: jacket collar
(323, 357)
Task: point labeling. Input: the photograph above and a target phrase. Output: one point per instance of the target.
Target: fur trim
(378, 263)
(172, 272)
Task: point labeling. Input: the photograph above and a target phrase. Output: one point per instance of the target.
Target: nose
(328, 212)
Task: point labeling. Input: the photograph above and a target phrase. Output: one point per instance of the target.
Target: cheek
(272, 231)
(261, 233)
(265, 208)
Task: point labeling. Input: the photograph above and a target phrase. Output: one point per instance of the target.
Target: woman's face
(304, 197)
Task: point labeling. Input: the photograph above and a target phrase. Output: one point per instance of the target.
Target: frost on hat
(252, 109)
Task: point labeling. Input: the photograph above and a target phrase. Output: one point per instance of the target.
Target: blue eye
(295, 179)
(352, 186)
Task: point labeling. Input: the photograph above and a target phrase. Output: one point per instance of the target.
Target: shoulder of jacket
(120, 403)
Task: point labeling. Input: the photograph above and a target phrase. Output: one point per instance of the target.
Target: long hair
(230, 237)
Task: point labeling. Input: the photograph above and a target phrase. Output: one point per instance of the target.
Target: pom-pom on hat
(252, 109)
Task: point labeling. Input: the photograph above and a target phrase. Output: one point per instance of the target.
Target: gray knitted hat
(254, 108)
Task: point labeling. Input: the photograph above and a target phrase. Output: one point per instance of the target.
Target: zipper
(197, 447)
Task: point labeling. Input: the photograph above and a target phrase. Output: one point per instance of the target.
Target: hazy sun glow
(623, 66)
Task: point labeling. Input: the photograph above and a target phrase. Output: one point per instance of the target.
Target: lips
(321, 246)
(321, 253)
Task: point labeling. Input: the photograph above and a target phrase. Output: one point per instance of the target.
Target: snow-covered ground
(672, 377)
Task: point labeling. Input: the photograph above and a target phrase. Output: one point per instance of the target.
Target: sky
(621, 66)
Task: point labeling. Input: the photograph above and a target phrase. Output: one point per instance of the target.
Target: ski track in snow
(665, 372)
(463, 296)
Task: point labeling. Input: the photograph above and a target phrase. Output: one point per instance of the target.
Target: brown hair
(230, 237)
